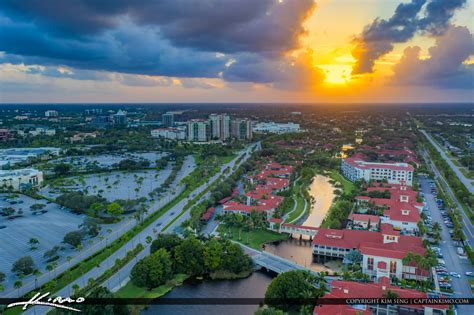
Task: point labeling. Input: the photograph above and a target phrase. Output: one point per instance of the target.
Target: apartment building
(198, 130)
(382, 252)
(241, 128)
(394, 173)
(220, 126)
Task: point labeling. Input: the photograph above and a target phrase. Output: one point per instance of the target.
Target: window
(370, 263)
(393, 266)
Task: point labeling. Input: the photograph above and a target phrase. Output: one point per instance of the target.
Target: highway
(466, 181)
(467, 225)
(120, 278)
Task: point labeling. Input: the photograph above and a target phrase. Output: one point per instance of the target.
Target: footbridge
(278, 226)
(278, 264)
(298, 229)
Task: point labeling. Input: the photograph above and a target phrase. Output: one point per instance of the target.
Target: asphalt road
(120, 278)
(467, 225)
(453, 261)
(466, 181)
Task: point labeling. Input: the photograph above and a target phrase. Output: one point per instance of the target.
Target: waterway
(299, 251)
(251, 287)
(255, 285)
(323, 195)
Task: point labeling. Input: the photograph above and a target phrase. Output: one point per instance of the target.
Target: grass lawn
(347, 185)
(132, 291)
(299, 208)
(254, 238)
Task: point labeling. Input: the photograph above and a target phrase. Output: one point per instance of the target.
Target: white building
(169, 133)
(42, 131)
(394, 173)
(220, 126)
(382, 252)
(18, 180)
(51, 113)
(241, 128)
(279, 128)
(198, 130)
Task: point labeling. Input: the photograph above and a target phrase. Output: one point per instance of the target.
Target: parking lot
(107, 161)
(113, 185)
(49, 226)
(452, 263)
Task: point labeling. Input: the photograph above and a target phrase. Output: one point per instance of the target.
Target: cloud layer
(235, 39)
(429, 17)
(445, 67)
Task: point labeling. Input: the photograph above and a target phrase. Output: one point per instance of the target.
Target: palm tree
(239, 222)
(36, 273)
(17, 285)
(33, 242)
(50, 268)
(436, 228)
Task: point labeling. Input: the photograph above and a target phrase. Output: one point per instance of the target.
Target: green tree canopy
(153, 270)
(24, 266)
(295, 284)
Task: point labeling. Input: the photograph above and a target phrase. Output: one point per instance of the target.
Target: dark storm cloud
(445, 68)
(424, 16)
(163, 37)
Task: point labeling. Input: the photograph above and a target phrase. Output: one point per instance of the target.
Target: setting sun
(336, 74)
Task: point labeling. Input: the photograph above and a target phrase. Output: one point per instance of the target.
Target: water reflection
(323, 194)
(251, 287)
(299, 250)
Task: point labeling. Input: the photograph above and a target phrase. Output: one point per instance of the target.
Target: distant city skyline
(272, 51)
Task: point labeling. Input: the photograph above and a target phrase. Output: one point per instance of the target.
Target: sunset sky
(237, 51)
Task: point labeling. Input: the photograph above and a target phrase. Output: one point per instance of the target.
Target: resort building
(382, 251)
(169, 133)
(19, 180)
(273, 179)
(351, 290)
(364, 221)
(401, 210)
(394, 173)
(278, 128)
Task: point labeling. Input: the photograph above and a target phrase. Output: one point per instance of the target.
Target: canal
(251, 287)
(299, 251)
(254, 286)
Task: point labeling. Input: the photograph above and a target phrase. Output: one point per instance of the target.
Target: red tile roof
(349, 289)
(208, 214)
(371, 243)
